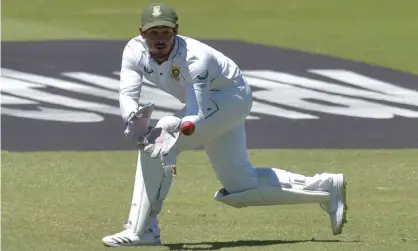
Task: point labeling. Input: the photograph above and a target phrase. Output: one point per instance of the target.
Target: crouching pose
(217, 101)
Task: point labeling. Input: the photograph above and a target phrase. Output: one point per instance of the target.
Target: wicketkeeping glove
(138, 122)
(162, 138)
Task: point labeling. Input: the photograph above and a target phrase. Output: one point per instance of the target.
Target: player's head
(159, 29)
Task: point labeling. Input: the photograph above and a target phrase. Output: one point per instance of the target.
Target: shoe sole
(342, 196)
(131, 245)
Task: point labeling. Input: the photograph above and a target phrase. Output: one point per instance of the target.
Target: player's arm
(198, 92)
(130, 83)
(135, 114)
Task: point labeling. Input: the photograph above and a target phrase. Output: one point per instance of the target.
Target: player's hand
(137, 125)
(162, 137)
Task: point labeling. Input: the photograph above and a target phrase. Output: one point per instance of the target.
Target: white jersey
(192, 71)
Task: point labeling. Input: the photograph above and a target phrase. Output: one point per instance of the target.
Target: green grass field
(69, 200)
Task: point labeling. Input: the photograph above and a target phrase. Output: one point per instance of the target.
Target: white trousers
(223, 137)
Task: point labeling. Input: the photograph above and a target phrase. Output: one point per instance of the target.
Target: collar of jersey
(175, 49)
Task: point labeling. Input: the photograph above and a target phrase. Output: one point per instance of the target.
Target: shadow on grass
(248, 243)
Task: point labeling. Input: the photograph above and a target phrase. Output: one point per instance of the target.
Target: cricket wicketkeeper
(217, 101)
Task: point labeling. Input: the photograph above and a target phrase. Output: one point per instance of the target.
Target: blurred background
(375, 31)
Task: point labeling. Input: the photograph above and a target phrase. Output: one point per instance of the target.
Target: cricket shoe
(337, 206)
(127, 238)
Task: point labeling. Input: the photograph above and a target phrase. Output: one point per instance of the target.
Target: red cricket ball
(187, 128)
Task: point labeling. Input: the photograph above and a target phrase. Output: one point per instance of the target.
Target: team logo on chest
(175, 72)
